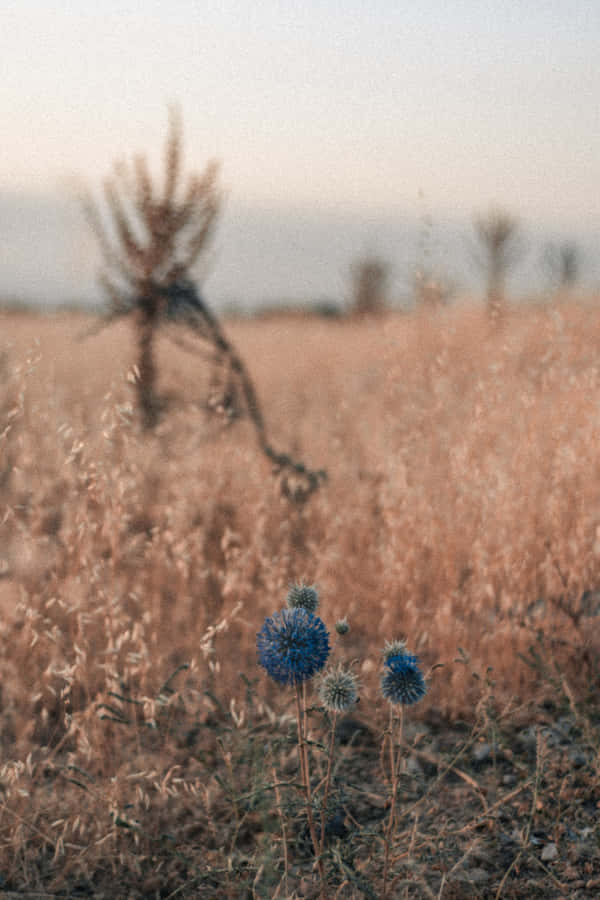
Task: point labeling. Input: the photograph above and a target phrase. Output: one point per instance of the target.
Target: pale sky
(376, 108)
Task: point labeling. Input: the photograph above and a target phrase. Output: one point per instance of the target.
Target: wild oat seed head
(342, 626)
(293, 645)
(303, 596)
(403, 682)
(338, 690)
(393, 648)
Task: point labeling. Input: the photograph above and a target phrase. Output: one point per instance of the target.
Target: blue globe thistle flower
(403, 682)
(303, 595)
(292, 645)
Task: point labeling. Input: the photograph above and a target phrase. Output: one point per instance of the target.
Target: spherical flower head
(403, 682)
(293, 645)
(342, 626)
(338, 690)
(303, 596)
(394, 648)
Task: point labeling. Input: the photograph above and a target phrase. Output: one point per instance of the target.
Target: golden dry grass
(463, 485)
(462, 509)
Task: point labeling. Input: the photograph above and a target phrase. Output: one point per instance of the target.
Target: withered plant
(151, 236)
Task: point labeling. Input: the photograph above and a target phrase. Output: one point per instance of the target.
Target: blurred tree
(369, 285)
(563, 263)
(500, 247)
(150, 240)
(150, 244)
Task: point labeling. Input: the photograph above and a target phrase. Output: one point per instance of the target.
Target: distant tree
(369, 285)
(563, 263)
(151, 236)
(500, 247)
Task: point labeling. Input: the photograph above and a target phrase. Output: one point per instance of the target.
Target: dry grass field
(461, 510)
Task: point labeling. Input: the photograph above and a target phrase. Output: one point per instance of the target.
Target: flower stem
(395, 762)
(305, 775)
(283, 830)
(327, 783)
